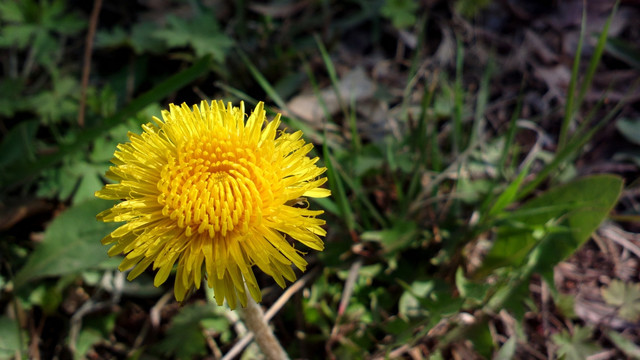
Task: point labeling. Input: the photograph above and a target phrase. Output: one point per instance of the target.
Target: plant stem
(269, 344)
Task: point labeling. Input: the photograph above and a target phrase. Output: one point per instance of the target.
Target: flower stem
(269, 344)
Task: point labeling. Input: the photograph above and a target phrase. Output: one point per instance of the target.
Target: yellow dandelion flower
(215, 194)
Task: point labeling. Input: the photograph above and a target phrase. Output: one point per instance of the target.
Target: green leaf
(469, 289)
(627, 346)
(71, 243)
(432, 298)
(202, 33)
(94, 330)
(169, 85)
(9, 338)
(624, 51)
(18, 144)
(401, 12)
(184, 339)
(17, 35)
(397, 238)
(508, 349)
(482, 340)
(61, 103)
(576, 346)
(11, 98)
(595, 196)
(564, 217)
(10, 11)
(509, 194)
(630, 129)
(626, 297)
(409, 305)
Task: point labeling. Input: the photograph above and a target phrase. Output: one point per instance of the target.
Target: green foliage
(623, 343)
(576, 346)
(202, 33)
(471, 8)
(142, 38)
(508, 349)
(11, 342)
(407, 210)
(557, 223)
(34, 24)
(184, 339)
(625, 297)
(629, 53)
(73, 232)
(630, 129)
(94, 331)
(401, 12)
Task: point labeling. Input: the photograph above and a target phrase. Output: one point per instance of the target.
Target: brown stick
(86, 69)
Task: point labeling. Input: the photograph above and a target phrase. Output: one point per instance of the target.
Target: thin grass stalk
(458, 99)
(570, 108)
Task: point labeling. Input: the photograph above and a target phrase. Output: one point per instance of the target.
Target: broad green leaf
(482, 340)
(10, 11)
(18, 144)
(9, 338)
(508, 350)
(577, 346)
(71, 243)
(625, 51)
(564, 217)
(94, 330)
(630, 129)
(86, 339)
(626, 345)
(596, 196)
(626, 297)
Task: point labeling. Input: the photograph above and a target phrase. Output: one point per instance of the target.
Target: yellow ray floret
(216, 194)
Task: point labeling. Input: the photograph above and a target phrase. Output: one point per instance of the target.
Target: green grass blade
(458, 100)
(263, 82)
(570, 149)
(570, 107)
(316, 91)
(337, 190)
(237, 93)
(418, 58)
(333, 75)
(509, 194)
(597, 55)
(327, 204)
(511, 133)
(271, 92)
(356, 142)
(482, 101)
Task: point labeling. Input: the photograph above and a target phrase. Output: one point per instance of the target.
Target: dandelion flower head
(216, 193)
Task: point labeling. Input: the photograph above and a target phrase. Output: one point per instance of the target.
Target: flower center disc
(209, 187)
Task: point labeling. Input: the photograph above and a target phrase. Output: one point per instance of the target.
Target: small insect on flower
(215, 194)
